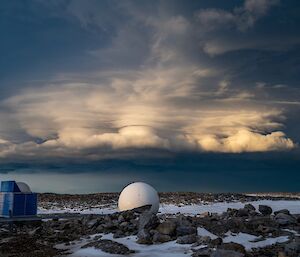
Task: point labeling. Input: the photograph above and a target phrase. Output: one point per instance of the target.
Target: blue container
(14, 203)
(9, 186)
(18, 204)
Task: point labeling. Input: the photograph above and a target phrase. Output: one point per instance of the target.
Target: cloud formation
(138, 111)
(156, 83)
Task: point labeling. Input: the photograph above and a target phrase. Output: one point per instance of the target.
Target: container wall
(31, 204)
(18, 204)
(9, 186)
(6, 204)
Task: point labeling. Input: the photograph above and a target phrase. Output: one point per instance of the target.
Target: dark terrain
(40, 238)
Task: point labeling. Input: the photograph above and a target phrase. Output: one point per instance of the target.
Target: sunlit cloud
(155, 84)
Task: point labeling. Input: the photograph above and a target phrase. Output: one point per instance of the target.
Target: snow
(251, 241)
(292, 205)
(172, 249)
(169, 249)
(204, 232)
(292, 231)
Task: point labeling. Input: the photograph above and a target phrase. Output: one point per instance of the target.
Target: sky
(185, 95)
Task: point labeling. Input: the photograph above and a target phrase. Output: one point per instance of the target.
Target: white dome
(24, 188)
(138, 194)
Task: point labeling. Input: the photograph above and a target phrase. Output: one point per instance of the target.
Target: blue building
(17, 200)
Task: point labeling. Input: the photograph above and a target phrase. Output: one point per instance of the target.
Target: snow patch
(169, 249)
(204, 232)
(251, 241)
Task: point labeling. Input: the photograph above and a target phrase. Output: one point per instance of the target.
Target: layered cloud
(135, 111)
(157, 84)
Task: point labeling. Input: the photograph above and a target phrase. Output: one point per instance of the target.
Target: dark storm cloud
(203, 173)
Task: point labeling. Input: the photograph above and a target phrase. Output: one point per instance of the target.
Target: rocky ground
(205, 234)
(103, 200)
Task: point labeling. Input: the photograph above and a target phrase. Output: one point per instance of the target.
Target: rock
(92, 223)
(253, 213)
(167, 228)
(203, 252)
(185, 230)
(217, 241)
(147, 221)
(203, 240)
(281, 254)
(265, 210)
(264, 229)
(142, 209)
(233, 246)
(243, 212)
(109, 246)
(232, 212)
(121, 218)
(226, 253)
(161, 238)
(250, 207)
(145, 239)
(204, 214)
(118, 234)
(187, 239)
(292, 248)
(234, 224)
(100, 229)
(285, 219)
(285, 211)
(124, 224)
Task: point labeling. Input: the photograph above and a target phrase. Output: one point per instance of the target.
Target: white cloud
(136, 110)
(246, 141)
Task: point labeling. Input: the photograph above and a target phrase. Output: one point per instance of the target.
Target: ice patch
(169, 249)
(204, 232)
(251, 241)
(291, 231)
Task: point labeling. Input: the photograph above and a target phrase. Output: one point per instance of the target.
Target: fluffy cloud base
(93, 122)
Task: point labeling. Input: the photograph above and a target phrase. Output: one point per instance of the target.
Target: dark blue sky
(185, 95)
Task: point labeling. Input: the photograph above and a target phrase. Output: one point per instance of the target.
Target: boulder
(203, 252)
(92, 223)
(281, 254)
(285, 211)
(161, 238)
(226, 253)
(167, 228)
(285, 219)
(243, 212)
(147, 222)
(187, 239)
(249, 206)
(292, 248)
(233, 246)
(217, 241)
(185, 230)
(203, 240)
(265, 210)
(109, 246)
